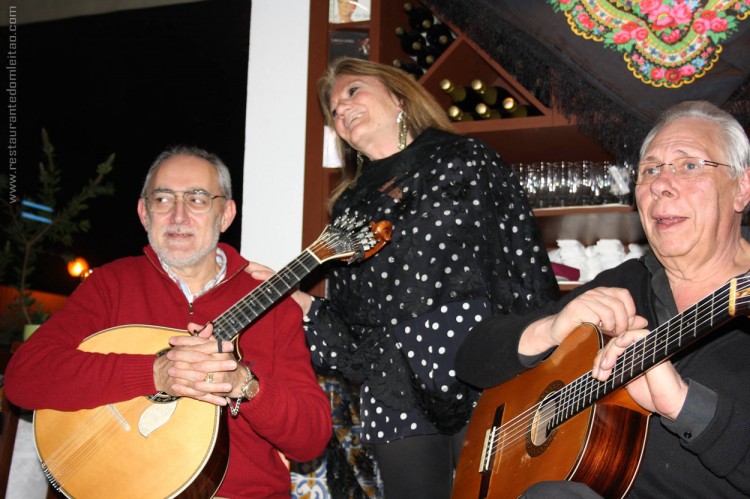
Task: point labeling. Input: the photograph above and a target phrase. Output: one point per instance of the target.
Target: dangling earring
(403, 128)
(360, 163)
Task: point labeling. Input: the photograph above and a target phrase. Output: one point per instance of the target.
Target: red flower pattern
(658, 73)
(718, 25)
(673, 75)
(621, 37)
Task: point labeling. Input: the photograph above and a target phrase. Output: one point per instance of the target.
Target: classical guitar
(160, 446)
(556, 422)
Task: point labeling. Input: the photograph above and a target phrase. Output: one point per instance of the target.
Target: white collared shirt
(221, 261)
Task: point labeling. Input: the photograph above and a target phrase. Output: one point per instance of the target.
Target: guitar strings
(329, 245)
(68, 456)
(236, 317)
(81, 446)
(516, 428)
(653, 342)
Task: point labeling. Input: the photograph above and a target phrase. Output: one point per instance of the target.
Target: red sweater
(291, 412)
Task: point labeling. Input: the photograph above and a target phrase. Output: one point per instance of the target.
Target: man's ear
(142, 213)
(227, 216)
(742, 198)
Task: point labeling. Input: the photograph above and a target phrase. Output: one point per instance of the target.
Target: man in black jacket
(692, 188)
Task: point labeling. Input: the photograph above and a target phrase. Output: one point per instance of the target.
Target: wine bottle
(427, 57)
(420, 18)
(463, 97)
(455, 113)
(487, 113)
(514, 109)
(410, 67)
(490, 94)
(411, 41)
(439, 35)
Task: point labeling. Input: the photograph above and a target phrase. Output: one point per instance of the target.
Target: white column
(273, 181)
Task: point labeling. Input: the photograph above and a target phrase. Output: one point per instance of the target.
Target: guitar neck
(240, 315)
(679, 332)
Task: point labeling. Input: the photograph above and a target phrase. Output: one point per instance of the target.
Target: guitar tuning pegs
(348, 222)
(366, 243)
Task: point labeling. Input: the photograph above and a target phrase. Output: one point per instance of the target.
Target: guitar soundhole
(541, 426)
(162, 398)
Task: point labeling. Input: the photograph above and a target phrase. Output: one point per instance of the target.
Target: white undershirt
(221, 261)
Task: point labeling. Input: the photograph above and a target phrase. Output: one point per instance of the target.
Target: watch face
(253, 387)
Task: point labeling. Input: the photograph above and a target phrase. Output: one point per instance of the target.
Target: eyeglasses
(682, 168)
(196, 201)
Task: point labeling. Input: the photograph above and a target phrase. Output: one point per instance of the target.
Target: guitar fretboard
(663, 342)
(346, 238)
(260, 299)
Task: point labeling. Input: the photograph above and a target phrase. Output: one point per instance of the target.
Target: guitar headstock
(351, 239)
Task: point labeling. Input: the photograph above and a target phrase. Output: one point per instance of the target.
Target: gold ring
(209, 378)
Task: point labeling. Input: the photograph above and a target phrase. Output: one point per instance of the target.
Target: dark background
(131, 83)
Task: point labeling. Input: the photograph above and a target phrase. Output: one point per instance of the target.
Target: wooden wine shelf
(547, 136)
(558, 211)
(355, 26)
(588, 224)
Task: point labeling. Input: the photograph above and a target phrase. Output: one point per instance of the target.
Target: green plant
(26, 239)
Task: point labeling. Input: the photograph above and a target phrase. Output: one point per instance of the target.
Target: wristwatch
(250, 387)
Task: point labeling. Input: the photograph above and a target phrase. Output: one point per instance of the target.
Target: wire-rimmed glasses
(197, 201)
(687, 167)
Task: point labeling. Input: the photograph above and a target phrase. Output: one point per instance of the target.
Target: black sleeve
(489, 355)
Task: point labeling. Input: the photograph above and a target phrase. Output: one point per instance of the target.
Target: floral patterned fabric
(665, 43)
(592, 81)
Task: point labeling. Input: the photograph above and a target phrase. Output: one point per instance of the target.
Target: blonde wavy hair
(421, 108)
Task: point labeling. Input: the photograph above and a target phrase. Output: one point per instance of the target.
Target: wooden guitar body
(600, 446)
(102, 452)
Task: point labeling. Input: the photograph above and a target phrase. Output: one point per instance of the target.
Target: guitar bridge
(490, 450)
(489, 441)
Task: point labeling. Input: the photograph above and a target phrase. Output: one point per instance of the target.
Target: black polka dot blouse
(464, 246)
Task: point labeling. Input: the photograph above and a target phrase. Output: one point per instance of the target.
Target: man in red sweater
(276, 408)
